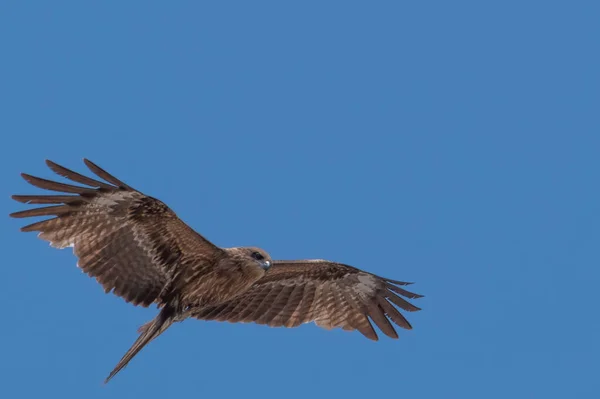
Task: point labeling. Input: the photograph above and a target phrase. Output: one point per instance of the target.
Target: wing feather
(45, 211)
(55, 186)
(131, 243)
(279, 295)
(325, 308)
(76, 177)
(402, 303)
(49, 199)
(247, 314)
(288, 305)
(286, 317)
(304, 311)
(270, 293)
(402, 291)
(376, 314)
(330, 294)
(364, 326)
(106, 176)
(213, 312)
(393, 313)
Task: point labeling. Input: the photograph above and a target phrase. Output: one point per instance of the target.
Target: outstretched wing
(330, 294)
(131, 243)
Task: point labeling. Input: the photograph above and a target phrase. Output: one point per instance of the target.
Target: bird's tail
(148, 332)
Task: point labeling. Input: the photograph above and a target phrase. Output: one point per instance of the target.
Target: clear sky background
(453, 143)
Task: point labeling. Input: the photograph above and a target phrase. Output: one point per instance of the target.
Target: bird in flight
(137, 248)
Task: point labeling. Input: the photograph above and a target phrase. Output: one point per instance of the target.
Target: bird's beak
(266, 264)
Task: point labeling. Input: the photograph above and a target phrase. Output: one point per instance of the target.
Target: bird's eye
(257, 256)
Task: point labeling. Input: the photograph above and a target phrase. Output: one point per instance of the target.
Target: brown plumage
(137, 248)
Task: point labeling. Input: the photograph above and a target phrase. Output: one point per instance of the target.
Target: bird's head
(253, 256)
(259, 256)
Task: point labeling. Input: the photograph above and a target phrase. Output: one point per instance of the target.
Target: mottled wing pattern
(330, 294)
(131, 243)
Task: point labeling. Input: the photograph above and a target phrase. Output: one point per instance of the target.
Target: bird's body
(137, 248)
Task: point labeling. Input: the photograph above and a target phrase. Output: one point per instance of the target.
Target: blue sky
(454, 144)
